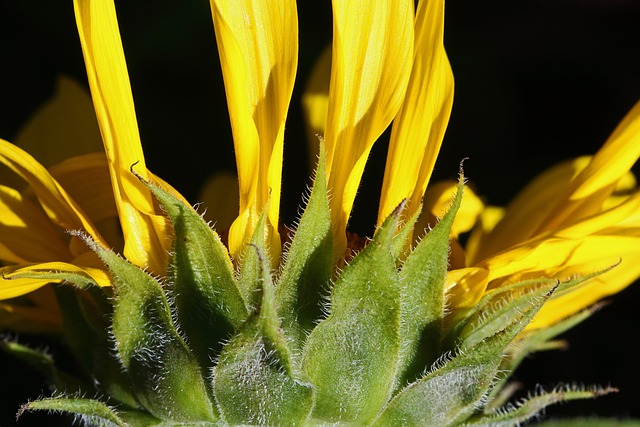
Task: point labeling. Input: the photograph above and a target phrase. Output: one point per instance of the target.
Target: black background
(537, 82)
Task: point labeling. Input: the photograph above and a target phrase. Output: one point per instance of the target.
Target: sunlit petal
(590, 292)
(258, 46)
(55, 201)
(419, 128)
(371, 63)
(113, 102)
(27, 233)
(86, 179)
(599, 178)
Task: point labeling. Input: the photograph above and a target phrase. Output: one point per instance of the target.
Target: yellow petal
(437, 201)
(546, 257)
(315, 103)
(27, 233)
(614, 159)
(371, 63)
(590, 292)
(599, 178)
(524, 215)
(144, 229)
(258, 46)
(63, 127)
(13, 281)
(465, 287)
(86, 179)
(419, 128)
(55, 201)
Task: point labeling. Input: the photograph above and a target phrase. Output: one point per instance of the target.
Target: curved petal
(599, 178)
(27, 233)
(86, 179)
(63, 127)
(547, 256)
(419, 127)
(465, 287)
(590, 292)
(371, 63)
(258, 45)
(528, 209)
(144, 229)
(55, 201)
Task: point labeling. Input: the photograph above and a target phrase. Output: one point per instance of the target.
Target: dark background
(537, 82)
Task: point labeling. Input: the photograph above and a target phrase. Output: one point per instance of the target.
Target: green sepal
(79, 280)
(164, 374)
(307, 269)
(251, 263)
(351, 356)
(526, 409)
(501, 311)
(422, 280)
(208, 303)
(452, 391)
(542, 339)
(254, 380)
(86, 331)
(92, 412)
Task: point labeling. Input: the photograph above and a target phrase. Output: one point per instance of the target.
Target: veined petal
(419, 127)
(258, 46)
(371, 63)
(144, 229)
(599, 178)
(465, 287)
(86, 179)
(55, 201)
(590, 292)
(528, 209)
(545, 257)
(27, 233)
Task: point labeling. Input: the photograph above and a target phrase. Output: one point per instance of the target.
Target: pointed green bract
(254, 382)
(93, 412)
(422, 281)
(86, 326)
(452, 392)
(307, 269)
(351, 356)
(164, 373)
(209, 304)
(500, 312)
(526, 409)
